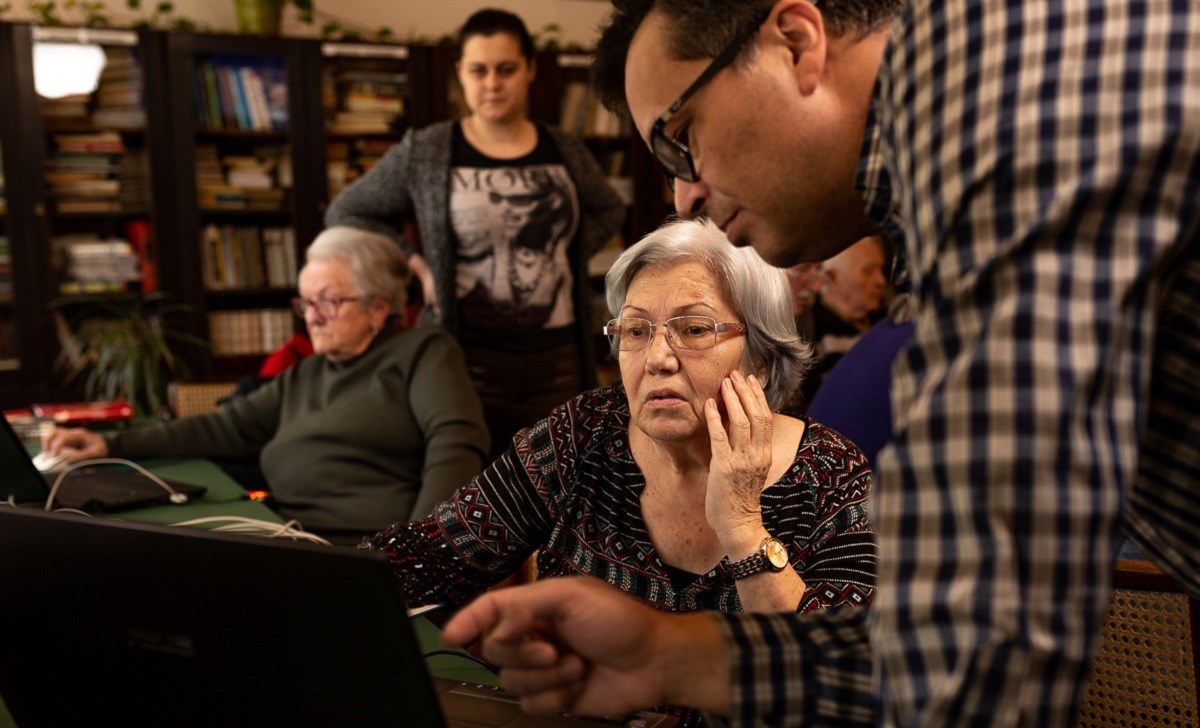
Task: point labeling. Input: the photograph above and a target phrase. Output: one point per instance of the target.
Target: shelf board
(243, 134)
(241, 214)
(99, 214)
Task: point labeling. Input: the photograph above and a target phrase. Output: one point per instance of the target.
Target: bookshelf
(371, 94)
(245, 198)
(214, 157)
(80, 214)
(94, 152)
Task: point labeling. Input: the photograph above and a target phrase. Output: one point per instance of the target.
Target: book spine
(212, 96)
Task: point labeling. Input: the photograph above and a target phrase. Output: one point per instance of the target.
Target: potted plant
(125, 344)
(263, 17)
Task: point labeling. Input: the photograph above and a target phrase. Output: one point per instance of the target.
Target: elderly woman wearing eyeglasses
(380, 424)
(681, 484)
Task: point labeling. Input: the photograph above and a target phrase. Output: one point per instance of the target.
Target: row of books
(241, 95)
(249, 332)
(93, 172)
(236, 257)
(583, 115)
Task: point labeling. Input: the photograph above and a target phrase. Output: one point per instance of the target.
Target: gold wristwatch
(772, 555)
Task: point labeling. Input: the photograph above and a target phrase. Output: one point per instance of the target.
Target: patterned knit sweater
(569, 486)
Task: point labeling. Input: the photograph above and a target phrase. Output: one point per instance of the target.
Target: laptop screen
(117, 623)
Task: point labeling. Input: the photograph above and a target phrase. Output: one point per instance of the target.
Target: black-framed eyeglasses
(327, 308)
(682, 332)
(673, 155)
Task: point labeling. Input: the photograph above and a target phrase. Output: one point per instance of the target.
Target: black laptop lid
(19, 481)
(127, 624)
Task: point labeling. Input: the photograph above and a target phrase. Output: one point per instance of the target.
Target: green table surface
(226, 498)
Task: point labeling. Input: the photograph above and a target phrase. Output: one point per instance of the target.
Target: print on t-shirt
(513, 226)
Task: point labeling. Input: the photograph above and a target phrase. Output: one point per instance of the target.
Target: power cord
(240, 524)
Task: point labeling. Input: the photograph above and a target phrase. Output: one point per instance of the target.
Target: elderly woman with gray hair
(681, 484)
(380, 424)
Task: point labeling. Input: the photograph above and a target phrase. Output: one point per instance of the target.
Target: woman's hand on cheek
(741, 459)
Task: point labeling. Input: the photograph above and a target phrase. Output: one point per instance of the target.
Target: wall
(407, 18)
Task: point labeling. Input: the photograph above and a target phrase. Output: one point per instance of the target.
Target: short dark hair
(491, 21)
(702, 29)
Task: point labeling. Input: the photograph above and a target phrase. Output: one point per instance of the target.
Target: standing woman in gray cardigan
(508, 213)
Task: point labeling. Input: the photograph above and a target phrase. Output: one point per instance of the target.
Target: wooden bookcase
(279, 115)
(246, 186)
(82, 214)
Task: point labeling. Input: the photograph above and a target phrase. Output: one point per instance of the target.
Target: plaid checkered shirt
(1040, 164)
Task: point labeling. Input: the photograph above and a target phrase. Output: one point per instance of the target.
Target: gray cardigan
(412, 182)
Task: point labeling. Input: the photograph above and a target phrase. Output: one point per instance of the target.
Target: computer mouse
(47, 463)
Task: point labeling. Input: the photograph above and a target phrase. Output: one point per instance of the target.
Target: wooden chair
(197, 398)
(1144, 670)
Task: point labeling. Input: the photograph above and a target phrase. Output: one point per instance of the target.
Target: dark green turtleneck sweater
(348, 446)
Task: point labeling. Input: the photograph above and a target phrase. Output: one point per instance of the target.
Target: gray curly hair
(758, 293)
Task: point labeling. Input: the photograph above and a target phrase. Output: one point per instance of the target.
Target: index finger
(509, 628)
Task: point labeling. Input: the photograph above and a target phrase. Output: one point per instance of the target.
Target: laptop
(92, 489)
(115, 623)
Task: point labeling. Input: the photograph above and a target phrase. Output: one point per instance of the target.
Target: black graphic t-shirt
(514, 220)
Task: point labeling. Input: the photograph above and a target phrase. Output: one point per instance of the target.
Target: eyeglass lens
(686, 332)
(326, 308)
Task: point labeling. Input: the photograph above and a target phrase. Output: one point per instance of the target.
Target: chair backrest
(197, 398)
(1144, 670)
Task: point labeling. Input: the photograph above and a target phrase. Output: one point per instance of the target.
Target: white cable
(240, 524)
(112, 461)
(233, 524)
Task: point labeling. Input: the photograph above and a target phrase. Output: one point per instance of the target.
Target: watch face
(777, 553)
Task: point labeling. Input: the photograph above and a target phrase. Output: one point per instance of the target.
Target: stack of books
(119, 103)
(255, 181)
(368, 101)
(81, 172)
(95, 265)
(133, 174)
(67, 110)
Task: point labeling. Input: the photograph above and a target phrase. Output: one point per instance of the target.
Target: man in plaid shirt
(1038, 164)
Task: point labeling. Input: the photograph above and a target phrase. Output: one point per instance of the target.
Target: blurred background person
(805, 280)
(378, 425)
(507, 212)
(852, 297)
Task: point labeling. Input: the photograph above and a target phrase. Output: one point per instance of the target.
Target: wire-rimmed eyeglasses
(327, 308)
(673, 155)
(682, 332)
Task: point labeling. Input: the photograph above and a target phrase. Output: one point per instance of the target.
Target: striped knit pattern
(570, 487)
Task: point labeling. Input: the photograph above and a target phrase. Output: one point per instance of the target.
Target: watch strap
(755, 563)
